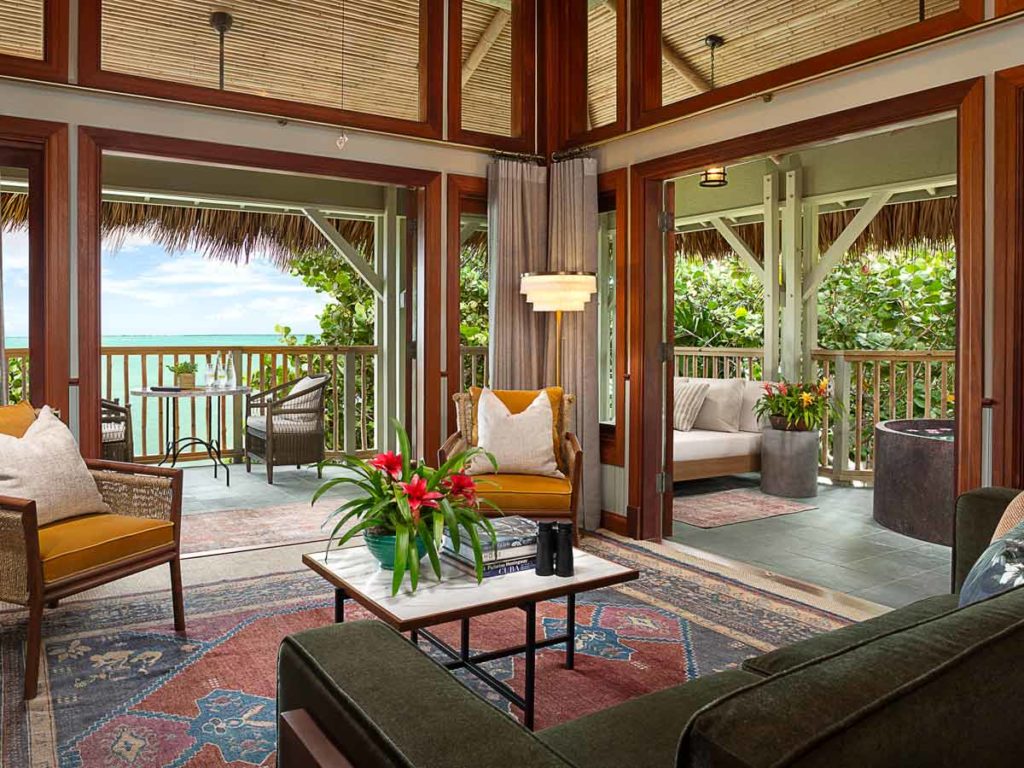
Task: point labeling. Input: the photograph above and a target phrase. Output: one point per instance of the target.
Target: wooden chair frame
(285, 447)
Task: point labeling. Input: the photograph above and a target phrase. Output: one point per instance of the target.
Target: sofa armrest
(977, 515)
(383, 703)
(21, 572)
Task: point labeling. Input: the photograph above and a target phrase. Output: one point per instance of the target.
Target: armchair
(40, 565)
(285, 424)
(536, 497)
(116, 431)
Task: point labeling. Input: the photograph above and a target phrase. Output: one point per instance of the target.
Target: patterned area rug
(710, 510)
(120, 688)
(294, 523)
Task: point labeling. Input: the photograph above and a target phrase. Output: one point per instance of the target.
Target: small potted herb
(184, 374)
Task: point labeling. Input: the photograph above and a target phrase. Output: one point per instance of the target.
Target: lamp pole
(558, 347)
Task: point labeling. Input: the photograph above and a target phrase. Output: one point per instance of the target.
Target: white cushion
(720, 411)
(520, 443)
(45, 466)
(303, 403)
(698, 444)
(290, 425)
(752, 392)
(687, 398)
(112, 431)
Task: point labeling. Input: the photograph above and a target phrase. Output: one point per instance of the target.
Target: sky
(148, 291)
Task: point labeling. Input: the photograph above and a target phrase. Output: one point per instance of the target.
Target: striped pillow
(689, 397)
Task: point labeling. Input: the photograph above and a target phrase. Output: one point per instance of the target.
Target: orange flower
(806, 398)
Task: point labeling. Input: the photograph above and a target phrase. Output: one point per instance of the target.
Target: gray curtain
(3, 347)
(517, 225)
(573, 248)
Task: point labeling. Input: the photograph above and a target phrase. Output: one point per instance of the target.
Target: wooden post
(792, 275)
(811, 253)
(770, 365)
(237, 408)
(841, 440)
(350, 402)
(388, 330)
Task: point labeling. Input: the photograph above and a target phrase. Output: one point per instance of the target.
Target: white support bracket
(739, 246)
(348, 251)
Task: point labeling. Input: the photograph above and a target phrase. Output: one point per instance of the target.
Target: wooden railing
(349, 417)
(17, 374)
(474, 367)
(718, 362)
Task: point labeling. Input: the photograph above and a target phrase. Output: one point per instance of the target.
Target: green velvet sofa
(925, 685)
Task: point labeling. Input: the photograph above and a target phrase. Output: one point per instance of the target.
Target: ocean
(206, 340)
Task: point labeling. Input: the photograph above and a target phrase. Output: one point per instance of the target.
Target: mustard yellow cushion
(526, 492)
(517, 401)
(16, 419)
(77, 544)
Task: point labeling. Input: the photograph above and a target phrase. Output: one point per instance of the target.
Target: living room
(494, 539)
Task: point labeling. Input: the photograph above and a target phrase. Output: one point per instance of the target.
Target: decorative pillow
(999, 569)
(687, 400)
(517, 401)
(752, 392)
(720, 411)
(46, 467)
(305, 384)
(1013, 516)
(16, 419)
(519, 442)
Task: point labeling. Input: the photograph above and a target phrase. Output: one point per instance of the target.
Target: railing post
(841, 440)
(350, 402)
(237, 407)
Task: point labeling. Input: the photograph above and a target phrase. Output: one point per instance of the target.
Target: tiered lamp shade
(558, 291)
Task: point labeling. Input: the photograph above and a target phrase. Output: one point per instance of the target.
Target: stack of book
(516, 548)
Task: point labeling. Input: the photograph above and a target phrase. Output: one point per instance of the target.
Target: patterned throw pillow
(999, 569)
(687, 399)
(519, 442)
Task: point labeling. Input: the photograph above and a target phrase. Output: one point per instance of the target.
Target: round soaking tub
(914, 489)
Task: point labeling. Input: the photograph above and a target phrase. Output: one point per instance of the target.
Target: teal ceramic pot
(382, 547)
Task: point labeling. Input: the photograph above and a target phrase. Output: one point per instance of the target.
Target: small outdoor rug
(711, 510)
(120, 688)
(232, 529)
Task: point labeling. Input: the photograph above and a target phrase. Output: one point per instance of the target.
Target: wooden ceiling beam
(483, 46)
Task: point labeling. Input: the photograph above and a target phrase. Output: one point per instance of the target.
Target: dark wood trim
(54, 64)
(90, 161)
(524, 71)
(1008, 282)
(647, 271)
(646, 83)
(92, 75)
(44, 146)
(667, 253)
(614, 522)
(576, 52)
(613, 436)
(463, 192)
(302, 744)
(1006, 7)
(551, 65)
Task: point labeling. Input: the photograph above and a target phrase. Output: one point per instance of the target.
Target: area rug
(120, 688)
(233, 529)
(711, 510)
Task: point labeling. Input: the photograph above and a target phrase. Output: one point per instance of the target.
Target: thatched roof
(226, 235)
(900, 226)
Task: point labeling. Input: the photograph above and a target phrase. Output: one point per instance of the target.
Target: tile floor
(202, 493)
(837, 545)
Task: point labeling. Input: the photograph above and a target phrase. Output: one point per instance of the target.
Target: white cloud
(15, 252)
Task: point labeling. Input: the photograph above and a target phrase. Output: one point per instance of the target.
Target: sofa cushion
(16, 419)
(384, 703)
(699, 444)
(284, 425)
(749, 421)
(80, 543)
(525, 492)
(304, 402)
(821, 645)
(720, 411)
(943, 692)
(642, 732)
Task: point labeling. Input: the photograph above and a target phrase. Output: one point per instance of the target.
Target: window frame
(92, 75)
(54, 64)
(613, 436)
(576, 62)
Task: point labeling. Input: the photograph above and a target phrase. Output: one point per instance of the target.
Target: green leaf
(403, 446)
(414, 562)
(432, 543)
(401, 556)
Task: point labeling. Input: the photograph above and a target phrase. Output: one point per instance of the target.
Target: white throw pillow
(720, 411)
(305, 384)
(520, 442)
(688, 397)
(752, 392)
(45, 466)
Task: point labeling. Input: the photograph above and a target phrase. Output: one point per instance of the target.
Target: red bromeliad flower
(418, 495)
(783, 389)
(768, 388)
(462, 486)
(390, 463)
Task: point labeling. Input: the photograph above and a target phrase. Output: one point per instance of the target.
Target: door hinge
(412, 350)
(662, 482)
(666, 221)
(666, 350)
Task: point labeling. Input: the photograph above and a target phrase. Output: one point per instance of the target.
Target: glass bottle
(229, 371)
(218, 371)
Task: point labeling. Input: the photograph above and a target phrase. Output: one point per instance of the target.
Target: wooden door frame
(647, 275)
(92, 142)
(48, 259)
(1008, 282)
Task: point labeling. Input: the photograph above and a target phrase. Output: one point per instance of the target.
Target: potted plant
(404, 509)
(795, 407)
(184, 374)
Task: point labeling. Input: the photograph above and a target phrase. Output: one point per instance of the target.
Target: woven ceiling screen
(21, 28)
(486, 67)
(760, 37)
(602, 58)
(358, 55)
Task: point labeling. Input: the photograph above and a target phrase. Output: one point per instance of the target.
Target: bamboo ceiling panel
(286, 50)
(763, 35)
(487, 94)
(21, 28)
(602, 57)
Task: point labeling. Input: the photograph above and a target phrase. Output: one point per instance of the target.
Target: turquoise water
(209, 340)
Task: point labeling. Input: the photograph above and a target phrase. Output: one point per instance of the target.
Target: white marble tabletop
(458, 595)
(198, 392)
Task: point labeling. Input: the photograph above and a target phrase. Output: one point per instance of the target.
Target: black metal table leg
(570, 631)
(414, 637)
(339, 606)
(464, 649)
(531, 663)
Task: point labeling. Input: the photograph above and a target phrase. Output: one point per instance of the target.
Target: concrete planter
(789, 463)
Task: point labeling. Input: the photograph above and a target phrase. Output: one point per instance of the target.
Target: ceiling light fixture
(713, 42)
(715, 176)
(222, 21)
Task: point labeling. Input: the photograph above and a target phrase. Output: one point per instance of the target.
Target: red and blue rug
(120, 688)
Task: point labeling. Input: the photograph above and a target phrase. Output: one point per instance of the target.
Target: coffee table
(355, 575)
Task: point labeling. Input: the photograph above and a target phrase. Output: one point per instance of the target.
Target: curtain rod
(521, 156)
(571, 153)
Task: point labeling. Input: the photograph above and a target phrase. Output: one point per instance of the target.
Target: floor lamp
(558, 292)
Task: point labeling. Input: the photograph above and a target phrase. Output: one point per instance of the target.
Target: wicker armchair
(39, 565)
(285, 425)
(116, 425)
(532, 496)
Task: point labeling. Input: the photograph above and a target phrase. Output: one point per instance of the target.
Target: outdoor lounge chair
(284, 425)
(116, 431)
